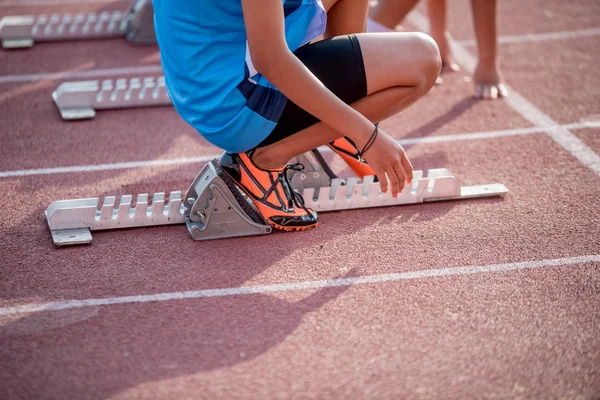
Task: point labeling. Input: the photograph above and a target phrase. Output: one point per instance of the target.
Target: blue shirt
(209, 73)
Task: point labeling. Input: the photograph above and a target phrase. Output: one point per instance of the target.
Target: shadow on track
(115, 348)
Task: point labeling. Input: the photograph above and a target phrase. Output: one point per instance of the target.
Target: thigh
(398, 59)
(337, 63)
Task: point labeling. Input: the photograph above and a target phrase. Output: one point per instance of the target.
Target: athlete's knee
(429, 60)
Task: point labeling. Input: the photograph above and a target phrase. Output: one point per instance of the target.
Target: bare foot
(489, 83)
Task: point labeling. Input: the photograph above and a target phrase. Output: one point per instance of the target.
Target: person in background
(489, 84)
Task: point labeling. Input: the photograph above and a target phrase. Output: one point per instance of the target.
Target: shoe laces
(296, 198)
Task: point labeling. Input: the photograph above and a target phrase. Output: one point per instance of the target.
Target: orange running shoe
(270, 191)
(346, 149)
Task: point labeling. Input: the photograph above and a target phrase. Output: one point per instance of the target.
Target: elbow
(262, 63)
(266, 61)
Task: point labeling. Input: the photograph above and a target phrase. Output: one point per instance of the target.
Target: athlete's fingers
(487, 91)
(479, 90)
(394, 180)
(400, 174)
(493, 92)
(380, 173)
(407, 167)
(450, 67)
(502, 90)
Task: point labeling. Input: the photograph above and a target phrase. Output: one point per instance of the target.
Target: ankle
(263, 160)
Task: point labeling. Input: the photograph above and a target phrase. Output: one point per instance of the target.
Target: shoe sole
(291, 229)
(229, 181)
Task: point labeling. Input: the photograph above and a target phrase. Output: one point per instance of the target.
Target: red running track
(525, 325)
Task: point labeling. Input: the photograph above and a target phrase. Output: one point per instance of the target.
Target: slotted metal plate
(436, 185)
(80, 100)
(24, 30)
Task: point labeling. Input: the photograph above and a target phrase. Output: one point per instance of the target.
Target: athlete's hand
(488, 82)
(388, 158)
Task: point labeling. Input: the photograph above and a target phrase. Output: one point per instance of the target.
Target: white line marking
(157, 69)
(203, 159)
(537, 37)
(470, 136)
(286, 287)
(106, 167)
(558, 133)
(112, 72)
(518, 103)
(27, 3)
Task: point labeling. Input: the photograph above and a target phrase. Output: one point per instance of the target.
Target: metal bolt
(191, 200)
(200, 215)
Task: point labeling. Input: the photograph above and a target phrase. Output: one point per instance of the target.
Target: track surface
(524, 325)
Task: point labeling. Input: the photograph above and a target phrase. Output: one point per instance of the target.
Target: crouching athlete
(253, 78)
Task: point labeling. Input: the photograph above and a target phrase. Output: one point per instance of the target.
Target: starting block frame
(24, 31)
(80, 100)
(135, 24)
(210, 210)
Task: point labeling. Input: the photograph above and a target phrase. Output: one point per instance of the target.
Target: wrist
(487, 59)
(362, 132)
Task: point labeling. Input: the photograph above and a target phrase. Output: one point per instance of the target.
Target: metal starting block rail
(135, 24)
(24, 31)
(80, 100)
(214, 208)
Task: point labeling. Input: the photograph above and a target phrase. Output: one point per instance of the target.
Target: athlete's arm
(488, 79)
(264, 20)
(271, 57)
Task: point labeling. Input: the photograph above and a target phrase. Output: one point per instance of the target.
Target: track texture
(530, 332)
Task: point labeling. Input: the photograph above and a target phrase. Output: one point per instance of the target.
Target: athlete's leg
(345, 16)
(412, 64)
(436, 10)
(390, 13)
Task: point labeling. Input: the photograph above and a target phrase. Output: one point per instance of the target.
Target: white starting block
(214, 208)
(135, 24)
(80, 100)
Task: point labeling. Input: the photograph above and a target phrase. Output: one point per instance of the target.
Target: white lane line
(538, 37)
(28, 3)
(519, 104)
(558, 133)
(203, 159)
(107, 167)
(307, 285)
(111, 72)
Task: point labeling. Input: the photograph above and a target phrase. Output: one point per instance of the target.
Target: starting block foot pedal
(215, 208)
(316, 173)
(80, 100)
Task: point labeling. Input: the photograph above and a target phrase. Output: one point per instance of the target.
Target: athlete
(252, 79)
(489, 83)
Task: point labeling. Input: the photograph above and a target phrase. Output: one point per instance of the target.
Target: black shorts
(338, 64)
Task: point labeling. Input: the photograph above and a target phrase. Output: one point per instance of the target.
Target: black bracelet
(369, 143)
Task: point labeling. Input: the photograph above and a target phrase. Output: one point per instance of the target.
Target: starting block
(80, 100)
(214, 208)
(135, 24)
